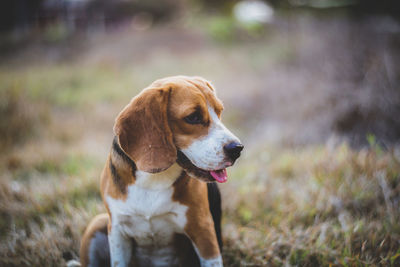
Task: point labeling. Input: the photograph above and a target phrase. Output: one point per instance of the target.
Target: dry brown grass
(313, 206)
(316, 206)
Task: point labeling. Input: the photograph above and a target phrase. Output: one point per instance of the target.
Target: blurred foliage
(60, 18)
(20, 117)
(56, 33)
(227, 29)
(65, 86)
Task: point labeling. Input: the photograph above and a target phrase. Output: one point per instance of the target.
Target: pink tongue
(220, 176)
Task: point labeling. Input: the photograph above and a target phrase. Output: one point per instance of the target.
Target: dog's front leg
(204, 240)
(120, 247)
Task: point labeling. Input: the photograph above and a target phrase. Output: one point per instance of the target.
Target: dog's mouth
(208, 176)
(220, 175)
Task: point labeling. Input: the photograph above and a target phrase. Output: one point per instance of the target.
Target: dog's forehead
(196, 96)
(191, 91)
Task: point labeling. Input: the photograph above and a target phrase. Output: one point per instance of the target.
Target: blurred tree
(391, 7)
(18, 14)
(79, 14)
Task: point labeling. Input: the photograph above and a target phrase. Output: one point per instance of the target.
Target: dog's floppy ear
(143, 131)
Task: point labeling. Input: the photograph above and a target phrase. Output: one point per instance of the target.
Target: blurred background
(312, 88)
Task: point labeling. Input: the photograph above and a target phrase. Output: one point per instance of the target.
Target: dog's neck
(159, 181)
(122, 167)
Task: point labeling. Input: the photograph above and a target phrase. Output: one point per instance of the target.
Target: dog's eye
(194, 118)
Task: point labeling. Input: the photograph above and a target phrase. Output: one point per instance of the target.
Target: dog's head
(177, 119)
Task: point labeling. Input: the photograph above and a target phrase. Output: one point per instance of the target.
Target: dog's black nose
(233, 150)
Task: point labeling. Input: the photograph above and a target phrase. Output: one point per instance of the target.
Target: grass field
(299, 196)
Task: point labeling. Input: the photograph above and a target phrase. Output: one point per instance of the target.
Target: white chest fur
(150, 216)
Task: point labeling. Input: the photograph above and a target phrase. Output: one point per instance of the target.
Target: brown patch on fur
(118, 173)
(98, 224)
(189, 94)
(200, 225)
(183, 103)
(108, 184)
(144, 133)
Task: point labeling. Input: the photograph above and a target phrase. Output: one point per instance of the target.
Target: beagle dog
(158, 185)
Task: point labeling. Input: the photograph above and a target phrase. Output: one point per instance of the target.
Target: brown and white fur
(158, 185)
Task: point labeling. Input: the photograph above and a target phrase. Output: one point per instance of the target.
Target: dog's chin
(198, 173)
